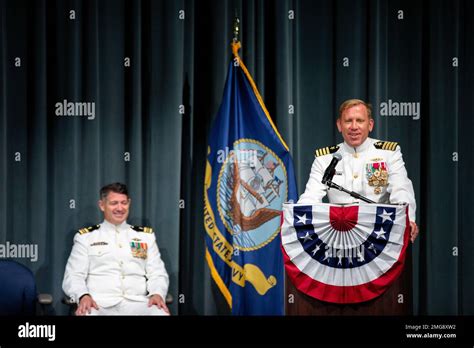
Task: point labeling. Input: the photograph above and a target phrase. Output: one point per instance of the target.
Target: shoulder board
(142, 229)
(88, 229)
(326, 150)
(386, 145)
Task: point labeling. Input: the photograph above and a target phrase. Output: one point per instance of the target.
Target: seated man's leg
(104, 311)
(139, 308)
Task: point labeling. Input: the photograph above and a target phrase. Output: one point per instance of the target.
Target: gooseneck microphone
(331, 169)
(329, 173)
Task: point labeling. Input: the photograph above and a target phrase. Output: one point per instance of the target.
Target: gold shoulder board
(386, 145)
(326, 150)
(142, 229)
(88, 229)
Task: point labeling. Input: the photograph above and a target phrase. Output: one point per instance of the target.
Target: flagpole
(236, 29)
(235, 37)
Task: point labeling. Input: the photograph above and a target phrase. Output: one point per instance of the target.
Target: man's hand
(413, 231)
(85, 305)
(159, 302)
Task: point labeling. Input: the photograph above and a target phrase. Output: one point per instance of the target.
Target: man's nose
(354, 125)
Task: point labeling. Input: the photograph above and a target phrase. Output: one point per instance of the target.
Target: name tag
(99, 243)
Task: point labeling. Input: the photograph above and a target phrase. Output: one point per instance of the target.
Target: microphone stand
(330, 184)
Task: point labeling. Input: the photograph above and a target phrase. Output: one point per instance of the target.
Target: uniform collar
(122, 227)
(361, 148)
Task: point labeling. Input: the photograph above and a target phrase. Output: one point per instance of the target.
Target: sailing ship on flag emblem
(252, 187)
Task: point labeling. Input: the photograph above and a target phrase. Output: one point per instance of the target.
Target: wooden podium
(386, 304)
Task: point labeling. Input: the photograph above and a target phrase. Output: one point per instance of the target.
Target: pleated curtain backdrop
(155, 72)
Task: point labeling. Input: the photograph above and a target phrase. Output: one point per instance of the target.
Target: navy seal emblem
(251, 189)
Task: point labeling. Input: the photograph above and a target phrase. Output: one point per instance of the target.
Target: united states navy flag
(249, 175)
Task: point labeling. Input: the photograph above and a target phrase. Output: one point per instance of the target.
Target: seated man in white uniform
(369, 167)
(115, 268)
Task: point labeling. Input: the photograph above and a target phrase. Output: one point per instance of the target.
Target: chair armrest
(45, 299)
(68, 301)
(169, 299)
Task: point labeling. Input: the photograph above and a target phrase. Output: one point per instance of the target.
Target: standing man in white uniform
(370, 167)
(115, 268)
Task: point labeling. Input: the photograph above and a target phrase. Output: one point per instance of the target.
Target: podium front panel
(397, 300)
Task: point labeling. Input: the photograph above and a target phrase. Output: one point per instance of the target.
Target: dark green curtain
(152, 119)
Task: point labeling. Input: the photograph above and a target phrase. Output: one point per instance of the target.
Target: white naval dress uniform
(355, 172)
(119, 266)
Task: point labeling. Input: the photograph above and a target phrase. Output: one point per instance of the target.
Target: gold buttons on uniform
(355, 176)
(355, 154)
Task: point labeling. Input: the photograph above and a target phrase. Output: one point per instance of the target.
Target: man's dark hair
(116, 187)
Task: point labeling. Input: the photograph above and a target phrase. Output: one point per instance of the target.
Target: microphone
(331, 169)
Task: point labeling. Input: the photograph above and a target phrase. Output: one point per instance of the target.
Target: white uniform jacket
(375, 170)
(112, 263)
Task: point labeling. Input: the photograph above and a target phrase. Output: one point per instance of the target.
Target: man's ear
(371, 124)
(339, 126)
(101, 204)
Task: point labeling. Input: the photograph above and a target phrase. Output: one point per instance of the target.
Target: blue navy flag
(249, 175)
